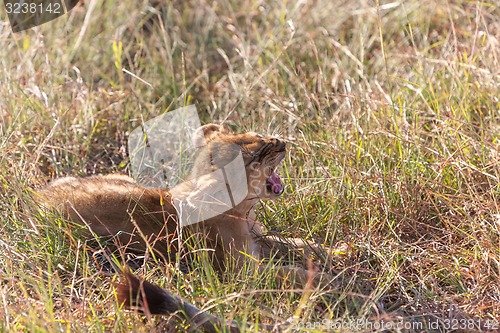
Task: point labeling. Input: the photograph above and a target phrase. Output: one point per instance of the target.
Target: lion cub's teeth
(277, 186)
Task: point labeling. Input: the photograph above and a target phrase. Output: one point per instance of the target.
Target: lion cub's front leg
(299, 270)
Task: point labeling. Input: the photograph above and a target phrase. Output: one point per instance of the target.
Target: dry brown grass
(391, 110)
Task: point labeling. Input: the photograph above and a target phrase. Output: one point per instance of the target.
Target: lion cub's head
(230, 172)
(259, 156)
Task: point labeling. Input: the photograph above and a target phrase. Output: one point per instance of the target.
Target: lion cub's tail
(152, 299)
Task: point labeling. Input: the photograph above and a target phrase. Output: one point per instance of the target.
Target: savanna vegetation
(392, 114)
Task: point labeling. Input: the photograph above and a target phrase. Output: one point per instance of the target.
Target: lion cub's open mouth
(274, 184)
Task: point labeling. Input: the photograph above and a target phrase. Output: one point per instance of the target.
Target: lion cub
(139, 217)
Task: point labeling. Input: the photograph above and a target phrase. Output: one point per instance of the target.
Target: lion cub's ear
(208, 133)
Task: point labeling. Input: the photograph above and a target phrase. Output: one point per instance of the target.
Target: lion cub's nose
(280, 145)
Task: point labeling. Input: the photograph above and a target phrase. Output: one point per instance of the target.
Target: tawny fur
(115, 205)
(140, 218)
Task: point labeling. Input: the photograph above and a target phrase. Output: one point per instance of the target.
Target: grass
(391, 111)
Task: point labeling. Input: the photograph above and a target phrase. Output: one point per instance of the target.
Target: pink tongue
(276, 184)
